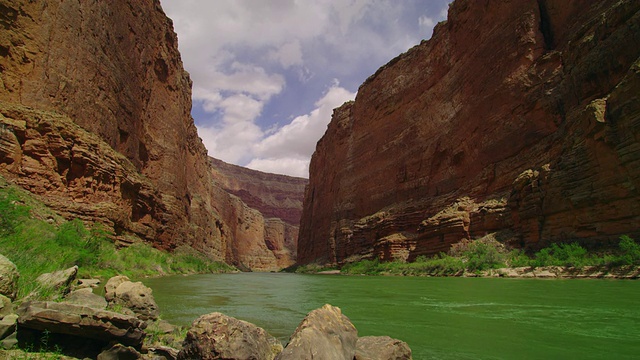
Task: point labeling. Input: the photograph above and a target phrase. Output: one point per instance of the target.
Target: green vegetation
(39, 246)
(309, 269)
(487, 253)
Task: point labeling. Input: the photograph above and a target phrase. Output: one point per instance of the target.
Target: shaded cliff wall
(517, 117)
(269, 209)
(113, 68)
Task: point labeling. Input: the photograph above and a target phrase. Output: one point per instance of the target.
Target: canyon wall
(270, 207)
(519, 118)
(95, 120)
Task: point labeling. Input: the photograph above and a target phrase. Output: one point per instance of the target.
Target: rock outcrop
(268, 215)
(135, 296)
(275, 196)
(95, 120)
(520, 116)
(325, 333)
(218, 336)
(8, 278)
(68, 319)
(113, 68)
(59, 281)
(382, 348)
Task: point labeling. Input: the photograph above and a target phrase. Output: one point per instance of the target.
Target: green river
(440, 318)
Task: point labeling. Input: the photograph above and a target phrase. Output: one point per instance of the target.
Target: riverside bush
(487, 253)
(37, 246)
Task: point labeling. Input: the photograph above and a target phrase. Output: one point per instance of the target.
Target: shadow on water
(440, 318)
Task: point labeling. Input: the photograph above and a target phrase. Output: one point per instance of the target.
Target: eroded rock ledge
(520, 116)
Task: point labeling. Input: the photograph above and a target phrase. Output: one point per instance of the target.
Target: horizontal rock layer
(95, 120)
(114, 69)
(520, 116)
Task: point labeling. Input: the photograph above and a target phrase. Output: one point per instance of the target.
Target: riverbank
(39, 241)
(487, 257)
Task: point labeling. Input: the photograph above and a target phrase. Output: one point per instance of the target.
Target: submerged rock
(8, 278)
(218, 336)
(324, 333)
(382, 348)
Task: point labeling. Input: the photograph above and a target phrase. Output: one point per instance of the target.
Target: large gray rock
(81, 321)
(86, 297)
(59, 280)
(382, 348)
(112, 284)
(218, 336)
(8, 278)
(325, 334)
(6, 307)
(8, 325)
(132, 295)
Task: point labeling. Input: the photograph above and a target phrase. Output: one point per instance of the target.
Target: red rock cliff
(269, 209)
(518, 117)
(95, 118)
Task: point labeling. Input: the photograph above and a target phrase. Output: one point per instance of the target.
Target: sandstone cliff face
(113, 68)
(267, 211)
(516, 117)
(275, 196)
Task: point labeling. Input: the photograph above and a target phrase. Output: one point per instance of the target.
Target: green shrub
(483, 256)
(629, 252)
(363, 267)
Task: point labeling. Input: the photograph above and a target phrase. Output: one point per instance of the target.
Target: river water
(440, 318)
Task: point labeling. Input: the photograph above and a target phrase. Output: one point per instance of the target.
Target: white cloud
(298, 139)
(426, 22)
(285, 150)
(243, 55)
(291, 166)
(287, 55)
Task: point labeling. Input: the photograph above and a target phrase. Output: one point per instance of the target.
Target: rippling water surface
(440, 318)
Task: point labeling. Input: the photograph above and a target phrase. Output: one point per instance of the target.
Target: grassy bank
(486, 254)
(31, 239)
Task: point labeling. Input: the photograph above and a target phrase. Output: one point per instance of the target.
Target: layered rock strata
(95, 120)
(268, 209)
(519, 116)
(114, 69)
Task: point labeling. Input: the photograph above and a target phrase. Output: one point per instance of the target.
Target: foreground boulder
(135, 296)
(382, 348)
(8, 278)
(81, 321)
(324, 334)
(86, 297)
(59, 280)
(218, 336)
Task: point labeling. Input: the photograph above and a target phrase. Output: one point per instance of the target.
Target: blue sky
(267, 74)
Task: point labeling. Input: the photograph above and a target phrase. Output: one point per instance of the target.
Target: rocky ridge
(516, 117)
(95, 120)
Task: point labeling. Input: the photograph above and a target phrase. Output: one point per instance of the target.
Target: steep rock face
(268, 209)
(275, 196)
(519, 116)
(113, 68)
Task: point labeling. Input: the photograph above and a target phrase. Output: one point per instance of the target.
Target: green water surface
(440, 318)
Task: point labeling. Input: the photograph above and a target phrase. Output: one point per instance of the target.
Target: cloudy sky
(267, 74)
